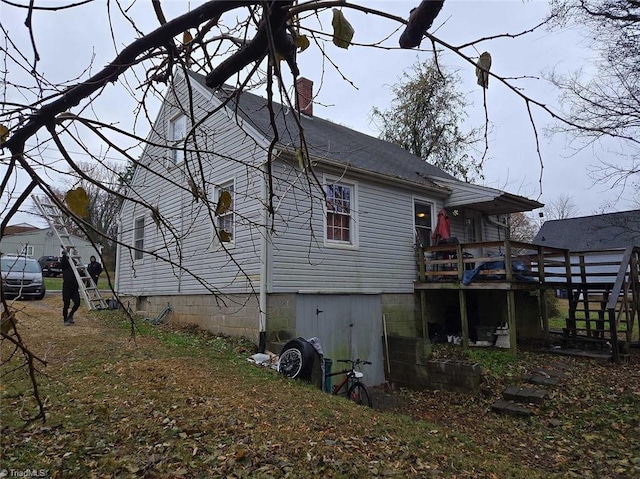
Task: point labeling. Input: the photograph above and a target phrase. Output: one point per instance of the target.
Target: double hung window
(340, 217)
(225, 215)
(138, 237)
(177, 134)
(423, 221)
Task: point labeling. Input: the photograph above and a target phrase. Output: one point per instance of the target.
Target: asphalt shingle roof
(588, 233)
(335, 142)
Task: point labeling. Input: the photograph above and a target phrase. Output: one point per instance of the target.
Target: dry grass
(183, 404)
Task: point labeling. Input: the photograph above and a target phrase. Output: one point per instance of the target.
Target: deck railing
(598, 284)
(494, 260)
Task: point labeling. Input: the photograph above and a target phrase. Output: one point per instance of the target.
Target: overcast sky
(68, 41)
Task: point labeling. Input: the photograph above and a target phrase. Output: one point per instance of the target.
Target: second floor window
(177, 133)
(138, 237)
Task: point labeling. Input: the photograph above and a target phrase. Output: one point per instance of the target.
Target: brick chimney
(304, 99)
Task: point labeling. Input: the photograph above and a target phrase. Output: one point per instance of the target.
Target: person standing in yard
(94, 268)
(70, 290)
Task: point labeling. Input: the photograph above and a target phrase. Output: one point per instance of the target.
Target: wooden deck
(603, 287)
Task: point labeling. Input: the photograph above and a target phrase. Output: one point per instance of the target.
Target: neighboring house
(36, 242)
(596, 236)
(336, 255)
(590, 233)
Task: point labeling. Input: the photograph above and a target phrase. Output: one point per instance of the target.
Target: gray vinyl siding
(185, 260)
(45, 243)
(384, 259)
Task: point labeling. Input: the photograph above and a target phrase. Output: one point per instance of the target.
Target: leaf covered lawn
(185, 404)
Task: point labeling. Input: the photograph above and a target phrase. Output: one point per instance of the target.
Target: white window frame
(230, 213)
(177, 154)
(353, 213)
(138, 242)
(426, 202)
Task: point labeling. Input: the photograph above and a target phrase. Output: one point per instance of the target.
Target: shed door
(349, 326)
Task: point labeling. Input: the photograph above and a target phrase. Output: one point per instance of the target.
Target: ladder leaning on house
(88, 289)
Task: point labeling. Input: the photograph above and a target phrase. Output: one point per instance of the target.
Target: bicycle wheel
(358, 393)
(290, 363)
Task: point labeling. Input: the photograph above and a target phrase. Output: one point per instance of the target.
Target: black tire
(296, 364)
(358, 393)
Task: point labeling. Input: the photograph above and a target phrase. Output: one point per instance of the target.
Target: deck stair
(56, 219)
(604, 303)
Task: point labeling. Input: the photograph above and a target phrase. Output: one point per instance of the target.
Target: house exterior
(591, 233)
(36, 242)
(312, 245)
(600, 238)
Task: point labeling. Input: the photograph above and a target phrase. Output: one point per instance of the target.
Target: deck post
(544, 311)
(423, 314)
(508, 268)
(615, 351)
(423, 298)
(511, 313)
(462, 299)
(635, 294)
(570, 293)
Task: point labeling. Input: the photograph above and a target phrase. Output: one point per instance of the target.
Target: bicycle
(351, 386)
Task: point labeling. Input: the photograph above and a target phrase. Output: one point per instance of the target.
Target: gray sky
(69, 41)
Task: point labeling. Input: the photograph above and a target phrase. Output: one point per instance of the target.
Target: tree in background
(605, 104)
(426, 118)
(561, 208)
(522, 227)
(103, 207)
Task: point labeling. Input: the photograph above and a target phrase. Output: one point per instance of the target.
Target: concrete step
(542, 380)
(511, 408)
(525, 395)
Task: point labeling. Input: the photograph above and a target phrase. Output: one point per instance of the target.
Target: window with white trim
(177, 134)
(138, 237)
(225, 214)
(340, 220)
(423, 222)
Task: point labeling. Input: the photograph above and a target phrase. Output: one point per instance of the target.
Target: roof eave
(439, 190)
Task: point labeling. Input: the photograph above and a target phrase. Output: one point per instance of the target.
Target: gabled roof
(345, 147)
(19, 228)
(589, 233)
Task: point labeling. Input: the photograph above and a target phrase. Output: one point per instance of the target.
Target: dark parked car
(50, 265)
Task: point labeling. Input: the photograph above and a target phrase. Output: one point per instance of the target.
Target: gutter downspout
(264, 270)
